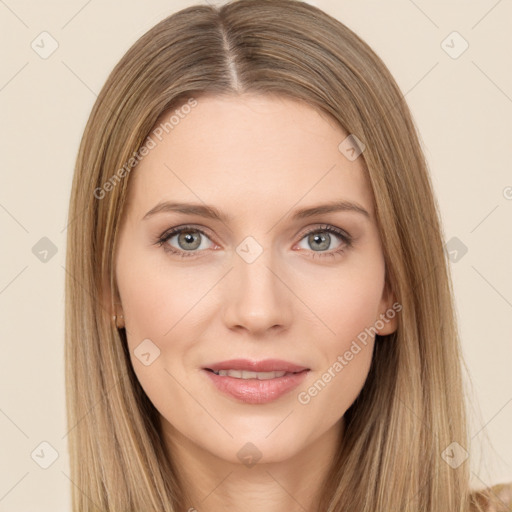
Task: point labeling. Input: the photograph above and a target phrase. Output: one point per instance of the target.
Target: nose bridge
(257, 298)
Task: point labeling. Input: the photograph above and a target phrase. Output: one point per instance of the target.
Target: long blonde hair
(411, 407)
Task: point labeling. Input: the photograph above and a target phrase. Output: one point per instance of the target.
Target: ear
(387, 322)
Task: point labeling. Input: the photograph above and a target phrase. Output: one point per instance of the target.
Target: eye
(189, 241)
(321, 239)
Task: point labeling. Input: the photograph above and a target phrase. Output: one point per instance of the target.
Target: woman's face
(266, 277)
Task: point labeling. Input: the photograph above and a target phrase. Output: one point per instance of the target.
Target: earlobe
(387, 322)
(113, 303)
(117, 316)
(118, 320)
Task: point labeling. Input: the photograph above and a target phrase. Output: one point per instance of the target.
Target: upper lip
(266, 365)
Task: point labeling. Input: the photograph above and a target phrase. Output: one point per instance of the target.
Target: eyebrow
(211, 212)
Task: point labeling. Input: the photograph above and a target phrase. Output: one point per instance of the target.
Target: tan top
(497, 498)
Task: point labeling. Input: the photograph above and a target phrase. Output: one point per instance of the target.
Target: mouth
(255, 382)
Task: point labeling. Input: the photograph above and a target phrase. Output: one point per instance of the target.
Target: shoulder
(497, 498)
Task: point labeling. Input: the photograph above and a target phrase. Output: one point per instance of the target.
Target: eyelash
(346, 239)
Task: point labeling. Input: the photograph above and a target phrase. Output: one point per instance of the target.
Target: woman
(259, 310)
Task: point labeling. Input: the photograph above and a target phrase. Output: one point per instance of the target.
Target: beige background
(462, 107)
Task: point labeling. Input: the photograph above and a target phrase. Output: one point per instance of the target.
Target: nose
(256, 296)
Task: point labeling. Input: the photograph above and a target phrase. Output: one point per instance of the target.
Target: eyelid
(330, 229)
(185, 227)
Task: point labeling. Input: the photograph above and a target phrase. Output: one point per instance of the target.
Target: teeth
(242, 374)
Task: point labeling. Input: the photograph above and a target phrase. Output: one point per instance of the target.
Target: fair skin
(257, 159)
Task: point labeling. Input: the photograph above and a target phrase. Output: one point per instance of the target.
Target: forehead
(249, 152)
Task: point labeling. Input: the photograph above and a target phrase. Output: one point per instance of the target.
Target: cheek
(349, 306)
(346, 358)
(346, 300)
(166, 305)
(155, 299)
(158, 306)
(331, 392)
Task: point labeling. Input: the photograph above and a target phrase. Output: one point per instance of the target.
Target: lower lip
(254, 391)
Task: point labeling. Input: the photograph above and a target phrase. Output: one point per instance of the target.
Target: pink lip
(254, 391)
(267, 365)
